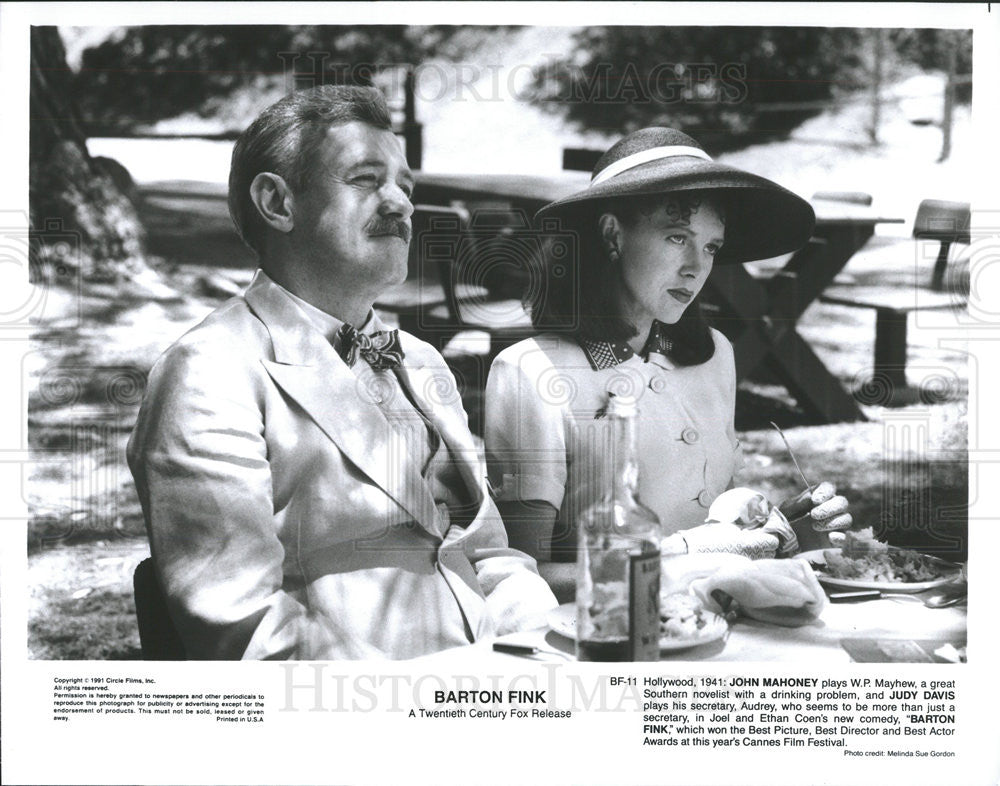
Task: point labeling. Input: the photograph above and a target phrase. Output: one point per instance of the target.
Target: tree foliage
(931, 49)
(150, 73)
(726, 85)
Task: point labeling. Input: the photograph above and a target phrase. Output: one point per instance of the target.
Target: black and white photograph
(637, 365)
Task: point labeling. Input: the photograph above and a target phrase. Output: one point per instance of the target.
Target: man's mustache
(386, 225)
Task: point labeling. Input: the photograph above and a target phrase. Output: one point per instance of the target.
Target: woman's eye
(678, 239)
(712, 249)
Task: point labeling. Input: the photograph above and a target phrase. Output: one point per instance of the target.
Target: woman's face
(666, 250)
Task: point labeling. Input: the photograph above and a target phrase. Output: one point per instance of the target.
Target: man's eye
(365, 180)
(408, 190)
(678, 239)
(712, 249)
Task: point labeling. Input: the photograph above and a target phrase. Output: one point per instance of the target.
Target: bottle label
(644, 606)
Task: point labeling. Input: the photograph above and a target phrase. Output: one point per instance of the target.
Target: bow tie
(608, 354)
(380, 350)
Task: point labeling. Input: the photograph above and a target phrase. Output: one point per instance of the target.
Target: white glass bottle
(618, 557)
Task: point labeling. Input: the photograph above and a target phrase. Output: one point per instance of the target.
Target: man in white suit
(308, 479)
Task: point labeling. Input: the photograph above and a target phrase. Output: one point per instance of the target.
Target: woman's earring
(614, 255)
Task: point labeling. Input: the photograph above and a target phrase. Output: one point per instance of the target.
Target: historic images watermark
(605, 83)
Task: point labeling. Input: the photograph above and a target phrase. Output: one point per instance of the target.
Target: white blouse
(545, 439)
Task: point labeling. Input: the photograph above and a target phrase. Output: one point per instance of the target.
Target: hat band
(644, 157)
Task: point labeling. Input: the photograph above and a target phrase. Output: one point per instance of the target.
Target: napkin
(782, 592)
(678, 573)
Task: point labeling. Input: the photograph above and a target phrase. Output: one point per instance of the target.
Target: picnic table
(758, 314)
(892, 305)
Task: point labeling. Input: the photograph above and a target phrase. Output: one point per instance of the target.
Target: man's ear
(274, 201)
(611, 234)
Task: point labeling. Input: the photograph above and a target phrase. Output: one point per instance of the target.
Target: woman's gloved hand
(749, 511)
(777, 525)
(719, 538)
(827, 509)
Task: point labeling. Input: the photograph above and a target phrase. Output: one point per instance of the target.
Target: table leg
(816, 265)
(888, 387)
(767, 318)
(890, 345)
(816, 390)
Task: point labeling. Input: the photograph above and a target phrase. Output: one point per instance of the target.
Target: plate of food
(863, 563)
(683, 622)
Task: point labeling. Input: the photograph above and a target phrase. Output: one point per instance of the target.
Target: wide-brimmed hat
(763, 219)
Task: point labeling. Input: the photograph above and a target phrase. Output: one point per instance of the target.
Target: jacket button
(657, 384)
(690, 435)
(704, 498)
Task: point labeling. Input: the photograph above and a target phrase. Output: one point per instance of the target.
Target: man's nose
(395, 202)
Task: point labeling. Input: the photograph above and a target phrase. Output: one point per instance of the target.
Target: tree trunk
(947, 118)
(878, 58)
(73, 196)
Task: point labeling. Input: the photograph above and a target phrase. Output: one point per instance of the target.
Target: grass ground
(81, 605)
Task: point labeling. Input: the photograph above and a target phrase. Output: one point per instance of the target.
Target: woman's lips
(683, 295)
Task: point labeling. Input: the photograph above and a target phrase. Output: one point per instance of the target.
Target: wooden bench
(892, 306)
(946, 222)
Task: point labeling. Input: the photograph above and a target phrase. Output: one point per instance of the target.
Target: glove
(826, 508)
(750, 510)
(721, 538)
(777, 525)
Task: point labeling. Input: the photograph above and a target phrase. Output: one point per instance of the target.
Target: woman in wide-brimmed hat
(620, 315)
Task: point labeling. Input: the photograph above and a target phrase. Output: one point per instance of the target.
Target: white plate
(563, 622)
(886, 586)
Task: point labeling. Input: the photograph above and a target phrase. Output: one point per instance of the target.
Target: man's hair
(284, 140)
(581, 301)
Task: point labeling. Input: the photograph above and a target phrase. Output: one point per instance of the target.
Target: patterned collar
(607, 354)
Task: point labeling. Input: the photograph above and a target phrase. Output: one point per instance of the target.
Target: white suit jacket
(285, 521)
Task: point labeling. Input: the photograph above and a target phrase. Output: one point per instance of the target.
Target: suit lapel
(433, 389)
(308, 369)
